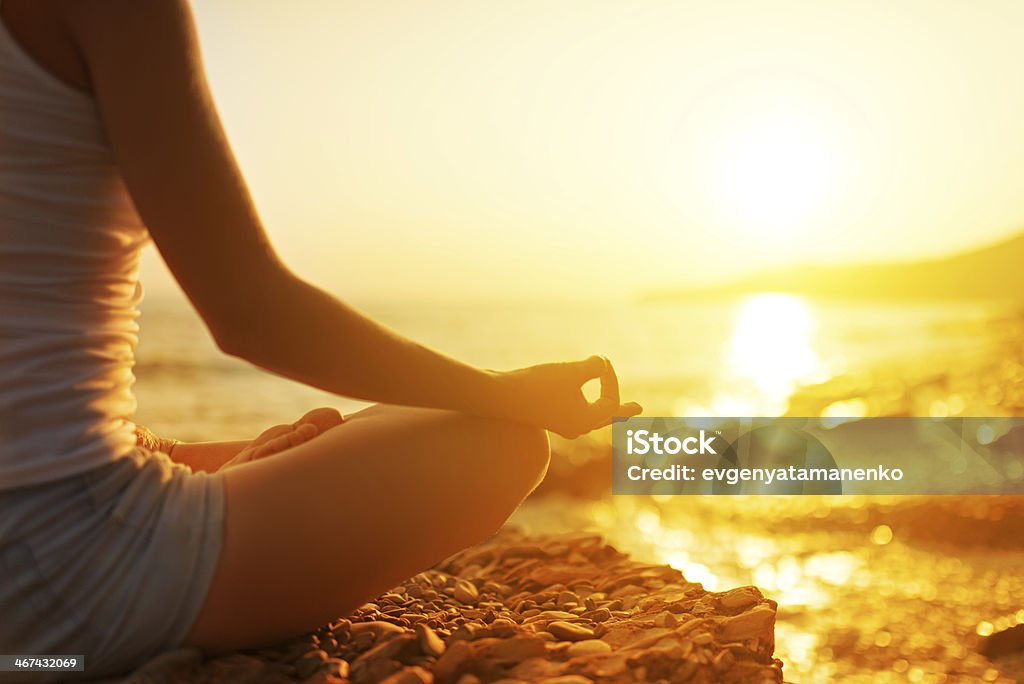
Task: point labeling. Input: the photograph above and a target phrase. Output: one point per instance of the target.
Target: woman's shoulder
(59, 34)
(40, 27)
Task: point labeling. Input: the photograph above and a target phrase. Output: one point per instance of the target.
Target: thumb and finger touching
(609, 404)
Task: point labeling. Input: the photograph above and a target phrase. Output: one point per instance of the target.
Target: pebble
(665, 619)
(410, 675)
(465, 591)
(376, 628)
(588, 647)
(748, 625)
(567, 631)
(309, 663)
(430, 643)
(540, 609)
(567, 597)
(741, 597)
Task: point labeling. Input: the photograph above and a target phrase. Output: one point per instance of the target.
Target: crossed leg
(320, 528)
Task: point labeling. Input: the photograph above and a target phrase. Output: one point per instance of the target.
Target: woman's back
(69, 245)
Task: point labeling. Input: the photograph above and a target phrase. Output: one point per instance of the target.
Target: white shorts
(113, 564)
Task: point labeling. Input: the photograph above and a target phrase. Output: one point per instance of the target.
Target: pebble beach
(558, 610)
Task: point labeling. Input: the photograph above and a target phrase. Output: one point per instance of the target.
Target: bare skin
(210, 457)
(321, 513)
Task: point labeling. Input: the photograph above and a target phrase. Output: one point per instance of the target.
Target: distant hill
(993, 272)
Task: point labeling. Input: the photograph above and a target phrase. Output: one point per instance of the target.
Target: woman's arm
(145, 71)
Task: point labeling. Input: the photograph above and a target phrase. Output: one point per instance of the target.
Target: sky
(581, 149)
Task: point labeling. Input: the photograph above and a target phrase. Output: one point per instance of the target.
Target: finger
(629, 409)
(295, 437)
(601, 412)
(588, 369)
(323, 418)
(272, 433)
(301, 434)
(243, 456)
(274, 446)
(604, 412)
(609, 383)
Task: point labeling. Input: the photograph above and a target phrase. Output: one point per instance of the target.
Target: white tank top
(69, 251)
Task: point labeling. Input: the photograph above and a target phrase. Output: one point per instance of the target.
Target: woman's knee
(504, 459)
(531, 449)
(519, 456)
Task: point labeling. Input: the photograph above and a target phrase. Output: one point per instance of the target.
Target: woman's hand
(551, 396)
(281, 437)
(210, 457)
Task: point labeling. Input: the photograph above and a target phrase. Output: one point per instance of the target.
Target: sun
(774, 174)
(768, 163)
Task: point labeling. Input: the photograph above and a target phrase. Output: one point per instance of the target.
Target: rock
(310, 663)
(430, 643)
(567, 597)
(567, 631)
(410, 675)
(450, 665)
(465, 591)
(323, 678)
(628, 590)
(607, 667)
(536, 669)
(703, 638)
(648, 638)
(336, 667)
(598, 614)
(512, 650)
(373, 671)
(549, 615)
(665, 619)
(756, 622)
(375, 628)
(588, 647)
(399, 647)
(741, 597)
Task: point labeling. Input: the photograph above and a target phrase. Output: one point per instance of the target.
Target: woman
(112, 547)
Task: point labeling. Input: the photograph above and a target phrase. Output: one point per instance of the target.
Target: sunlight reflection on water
(771, 351)
(857, 602)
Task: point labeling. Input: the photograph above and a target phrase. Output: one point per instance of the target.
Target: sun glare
(768, 165)
(773, 348)
(774, 176)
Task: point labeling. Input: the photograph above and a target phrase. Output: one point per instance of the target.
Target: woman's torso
(69, 249)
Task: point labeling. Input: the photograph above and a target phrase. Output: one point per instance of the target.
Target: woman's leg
(317, 530)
